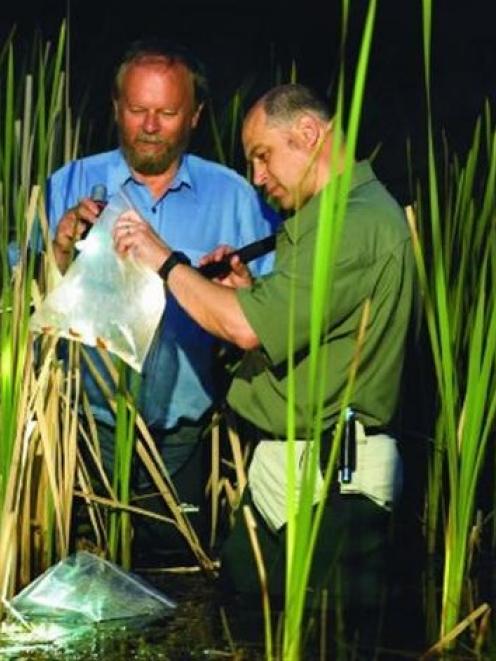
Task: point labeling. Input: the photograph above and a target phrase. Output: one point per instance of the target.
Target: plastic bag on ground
(85, 587)
(80, 602)
(105, 300)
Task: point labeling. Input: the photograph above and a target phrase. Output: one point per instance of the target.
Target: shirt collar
(301, 221)
(362, 174)
(183, 175)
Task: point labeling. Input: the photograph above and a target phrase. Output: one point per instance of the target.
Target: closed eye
(261, 156)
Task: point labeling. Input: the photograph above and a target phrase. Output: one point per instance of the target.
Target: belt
(373, 431)
(347, 459)
(257, 433)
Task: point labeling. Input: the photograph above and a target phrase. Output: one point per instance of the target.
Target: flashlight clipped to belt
(347, 456)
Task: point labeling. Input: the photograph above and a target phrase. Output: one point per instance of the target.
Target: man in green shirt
(288, 139)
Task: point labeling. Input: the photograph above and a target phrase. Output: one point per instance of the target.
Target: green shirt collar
(305, 218)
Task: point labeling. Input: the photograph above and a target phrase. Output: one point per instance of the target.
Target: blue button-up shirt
(207, 204)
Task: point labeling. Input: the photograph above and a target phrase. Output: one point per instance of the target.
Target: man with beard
(194, 204)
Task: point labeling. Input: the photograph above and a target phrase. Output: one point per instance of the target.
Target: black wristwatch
(172, 260)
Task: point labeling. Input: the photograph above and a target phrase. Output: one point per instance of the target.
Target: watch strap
(176, 257)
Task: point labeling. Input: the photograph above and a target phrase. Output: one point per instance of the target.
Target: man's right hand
(238, 277)
(70, 229)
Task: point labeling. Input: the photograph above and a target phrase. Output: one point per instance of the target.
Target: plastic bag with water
(85, 585)
(105, 300)
(75, 595)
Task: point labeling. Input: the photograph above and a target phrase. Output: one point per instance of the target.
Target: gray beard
(150, 165)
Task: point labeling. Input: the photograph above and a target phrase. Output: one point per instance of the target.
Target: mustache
(151, 139)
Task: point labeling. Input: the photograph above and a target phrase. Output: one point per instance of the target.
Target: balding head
(285, 137)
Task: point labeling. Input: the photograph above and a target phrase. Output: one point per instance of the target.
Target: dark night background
(240, 39)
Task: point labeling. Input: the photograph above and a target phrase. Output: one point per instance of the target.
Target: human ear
(307, 128)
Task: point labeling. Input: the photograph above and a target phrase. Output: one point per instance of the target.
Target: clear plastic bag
(105, 300)
(77, 601)
(85, 588)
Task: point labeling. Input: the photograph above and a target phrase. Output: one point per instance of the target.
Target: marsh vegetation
(442, 589)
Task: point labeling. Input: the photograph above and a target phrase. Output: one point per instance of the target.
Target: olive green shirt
(374, 261)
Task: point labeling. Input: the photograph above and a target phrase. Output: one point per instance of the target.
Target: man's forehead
(256, 116)
(254, 126)
(166, 67)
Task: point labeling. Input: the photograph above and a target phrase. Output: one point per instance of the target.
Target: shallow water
(210, 624)
(191, 633)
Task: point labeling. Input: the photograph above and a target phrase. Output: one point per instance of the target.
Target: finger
(206, 259)
(123, 243)
(130, 217)
(123, 234)
(237, 265)
(81, 227)
(86, 211)
(123, 225)
(224, 250)
(127, 224)
(216, 255)
(72, 227)
(88, 208)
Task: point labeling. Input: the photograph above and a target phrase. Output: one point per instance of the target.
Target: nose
(151, 122)
(259, 173)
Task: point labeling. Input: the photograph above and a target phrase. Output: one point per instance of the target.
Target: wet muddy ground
(209, 624)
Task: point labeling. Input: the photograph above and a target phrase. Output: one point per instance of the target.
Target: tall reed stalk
(303, 524)
(124, 448)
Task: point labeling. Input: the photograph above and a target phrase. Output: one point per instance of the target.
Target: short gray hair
(285, 102)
